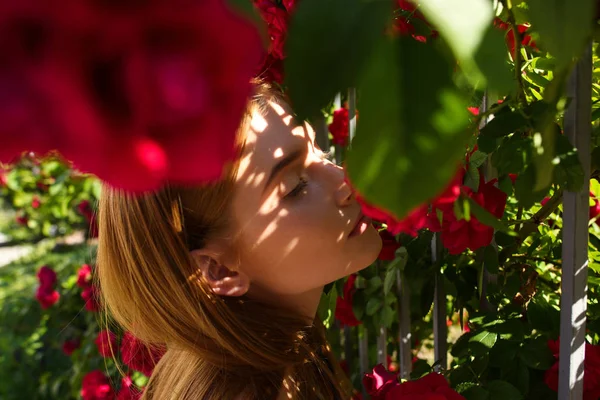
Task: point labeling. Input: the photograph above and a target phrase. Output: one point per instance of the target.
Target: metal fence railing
(577, 127)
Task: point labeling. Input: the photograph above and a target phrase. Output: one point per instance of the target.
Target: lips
(356, 230)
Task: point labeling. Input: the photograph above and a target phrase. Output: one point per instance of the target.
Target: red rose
(106, 342)
(591, 370)
(90, 296)
(473, 110)
(510, 35)
(458, 235)
(136, 355)
(22, 220)
(95, 386)
(420, 217)
(277, 19)
(128, 391)
(343, 307)
(47, 297)
(430, 387)
(35, 203)
(379, 382)
(339, 127)
(390, 245)
(69, 346)
(46, 276)
(136, 94)
(84, 276)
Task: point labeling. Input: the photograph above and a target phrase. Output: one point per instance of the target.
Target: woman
(228, 276)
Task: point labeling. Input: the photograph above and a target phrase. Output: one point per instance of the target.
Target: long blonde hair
(216, 347)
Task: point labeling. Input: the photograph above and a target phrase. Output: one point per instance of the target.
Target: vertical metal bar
(348, 348)
(382, 346)
(489, 172)
(440, 329)
(404, 334)
(351, 113)
(577, 127)
(363, 352)
(321, 132)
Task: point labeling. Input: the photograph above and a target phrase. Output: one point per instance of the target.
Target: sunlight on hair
(278, 109)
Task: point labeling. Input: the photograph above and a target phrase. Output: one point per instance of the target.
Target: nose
(344, 194)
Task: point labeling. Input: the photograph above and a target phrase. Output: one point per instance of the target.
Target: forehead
(272, 134)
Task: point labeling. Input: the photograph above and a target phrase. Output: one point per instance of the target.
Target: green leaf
(568, 172)
(535, 354)
(564, 26)
(476, 393)
(503, 353)
(390, 279)
(490, 57)
(477, 158)
(502, 390)
(373, 305)
(504, 123)
(524, 188)
(410, 114)
(542, 316)
(328, 45)
(388, 315)
(461, 346)
(482, 342)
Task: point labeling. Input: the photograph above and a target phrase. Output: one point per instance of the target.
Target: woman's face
(295, 212)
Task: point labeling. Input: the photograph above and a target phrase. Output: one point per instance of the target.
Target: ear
(223, 280)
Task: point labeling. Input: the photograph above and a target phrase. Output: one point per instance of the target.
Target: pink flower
(69, 346)
(339, 127)
(136, 94)
(95, 386)
(84, 276)
(379, 382)
(343, 307)
(106, 342)
(136, 355)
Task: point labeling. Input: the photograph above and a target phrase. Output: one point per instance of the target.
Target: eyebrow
(290, 158)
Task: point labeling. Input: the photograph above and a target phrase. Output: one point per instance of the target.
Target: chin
(365, 250)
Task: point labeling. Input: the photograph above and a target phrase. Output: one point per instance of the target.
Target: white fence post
(404, 334)
(440, 329)
(577, 127)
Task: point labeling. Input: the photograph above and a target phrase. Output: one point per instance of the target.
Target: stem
(531, 225)
(517, 53)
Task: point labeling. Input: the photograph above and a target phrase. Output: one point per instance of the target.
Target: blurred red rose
(106, 342)
(22, 220)
(128, 391)
(339, 127)
(47, 297)
(390, 245)
(46, 276)
(35, 202)
(136, 355)
(69, 346)
(95, 386)
(136, 95)
(343, 308)
(84, 276)
(90, 296)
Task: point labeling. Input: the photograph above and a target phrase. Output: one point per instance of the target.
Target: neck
(306, 304)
